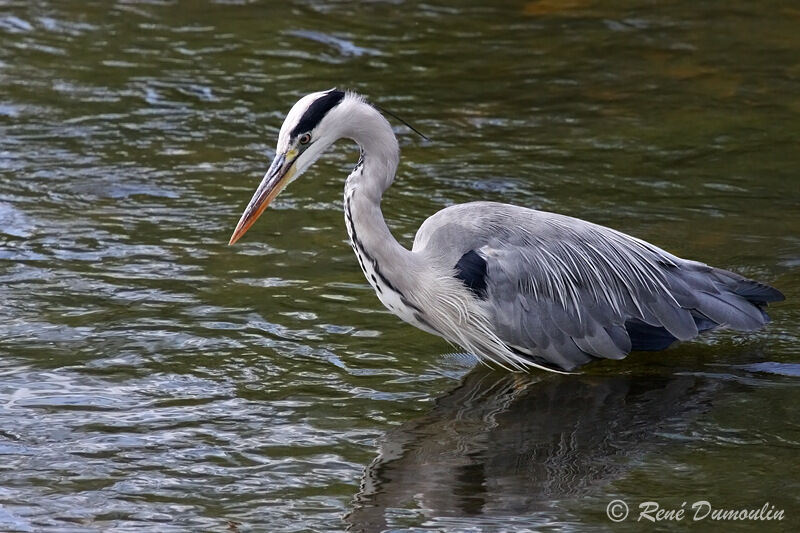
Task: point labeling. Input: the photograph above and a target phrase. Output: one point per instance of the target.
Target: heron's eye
(305, 138)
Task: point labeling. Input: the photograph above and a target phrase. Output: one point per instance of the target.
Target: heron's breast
(390, 296)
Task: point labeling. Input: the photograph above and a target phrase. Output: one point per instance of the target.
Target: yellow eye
(305, 138)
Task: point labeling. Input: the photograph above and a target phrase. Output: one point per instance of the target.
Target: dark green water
(154, 379)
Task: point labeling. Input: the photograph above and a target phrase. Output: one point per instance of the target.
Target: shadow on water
(515, 445)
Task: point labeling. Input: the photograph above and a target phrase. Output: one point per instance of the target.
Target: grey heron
(515, 286)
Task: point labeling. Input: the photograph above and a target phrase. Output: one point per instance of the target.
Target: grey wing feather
(566, 290)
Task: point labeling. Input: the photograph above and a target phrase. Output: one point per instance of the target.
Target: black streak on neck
(359, 249)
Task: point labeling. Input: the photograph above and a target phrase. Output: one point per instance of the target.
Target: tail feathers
(753, 291)
(757, 293)
(730, 309)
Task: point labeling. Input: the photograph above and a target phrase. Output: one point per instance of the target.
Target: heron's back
(563, 291)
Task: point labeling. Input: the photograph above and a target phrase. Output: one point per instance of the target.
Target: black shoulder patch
(471, 269)
(316, 111)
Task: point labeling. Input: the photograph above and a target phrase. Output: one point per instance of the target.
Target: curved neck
(380, 152)
(374, 173)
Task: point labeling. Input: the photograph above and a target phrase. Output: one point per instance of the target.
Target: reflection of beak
(277, 177)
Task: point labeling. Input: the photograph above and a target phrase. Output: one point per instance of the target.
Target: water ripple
(153, 378)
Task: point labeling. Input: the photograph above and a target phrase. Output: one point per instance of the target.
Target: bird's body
(516, 286)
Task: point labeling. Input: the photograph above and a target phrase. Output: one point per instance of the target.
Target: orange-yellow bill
(275, 180)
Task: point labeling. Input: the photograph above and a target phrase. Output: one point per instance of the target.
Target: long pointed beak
(277, 177)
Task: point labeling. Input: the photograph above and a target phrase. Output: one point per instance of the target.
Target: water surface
(154, 379)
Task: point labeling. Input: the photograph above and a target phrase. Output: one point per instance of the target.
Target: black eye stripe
(317, 111)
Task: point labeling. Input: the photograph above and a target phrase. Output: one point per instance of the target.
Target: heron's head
(313, 124)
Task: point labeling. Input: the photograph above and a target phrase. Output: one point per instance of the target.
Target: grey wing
(571, 291)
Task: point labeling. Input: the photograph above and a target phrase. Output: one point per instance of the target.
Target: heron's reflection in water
(510, 444)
